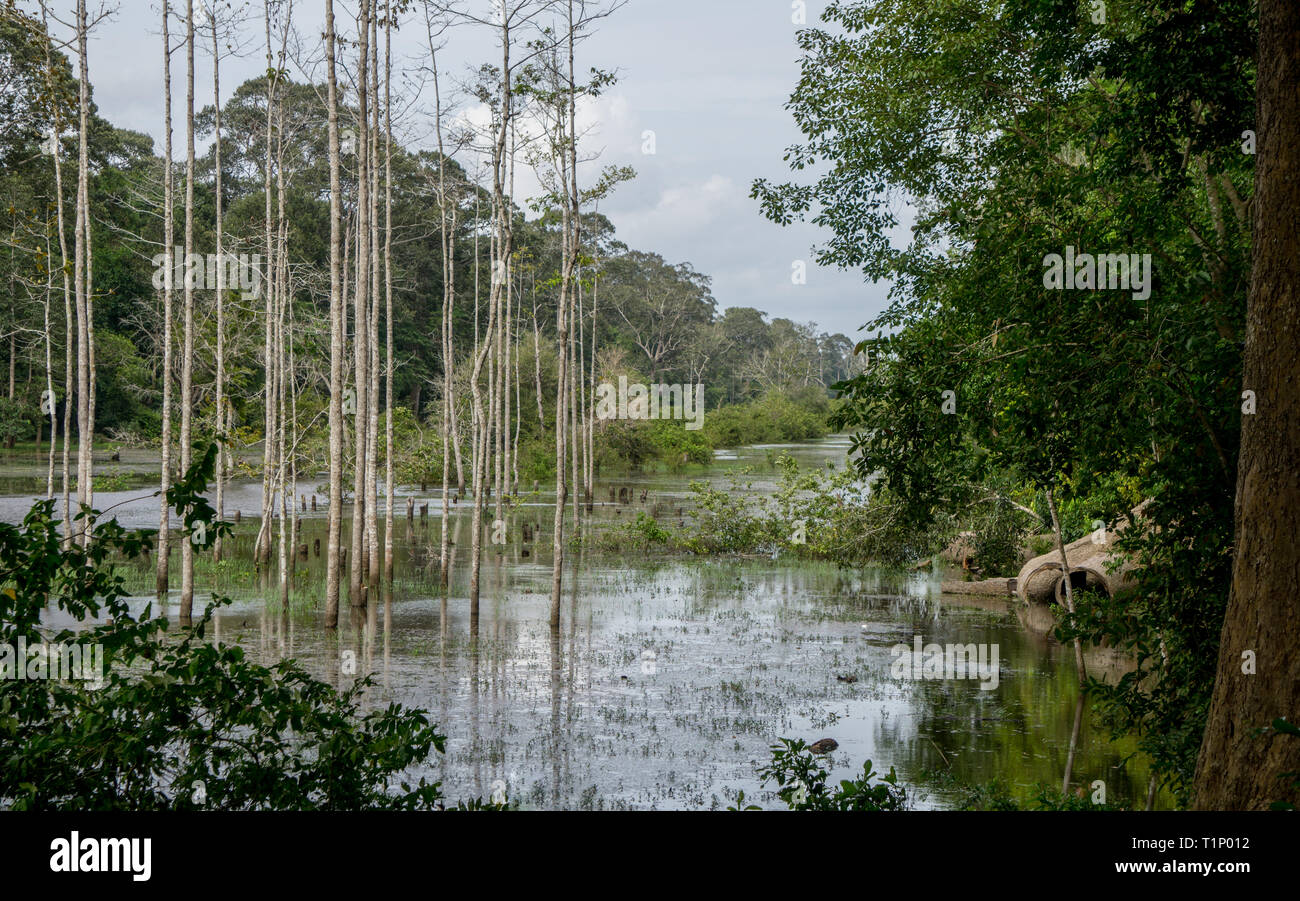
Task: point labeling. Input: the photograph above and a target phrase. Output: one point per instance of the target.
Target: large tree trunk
(1239, 768)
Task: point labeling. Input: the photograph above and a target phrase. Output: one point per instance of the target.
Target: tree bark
(1239, 768)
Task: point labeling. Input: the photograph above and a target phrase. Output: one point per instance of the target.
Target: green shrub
(804, 784)
(179, 723)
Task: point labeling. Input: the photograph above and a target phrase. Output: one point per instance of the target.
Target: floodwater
(670, 676)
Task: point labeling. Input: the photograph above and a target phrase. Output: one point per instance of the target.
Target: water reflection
(743, 653)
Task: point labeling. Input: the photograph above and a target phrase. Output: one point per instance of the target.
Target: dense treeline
(1068, 320)
(660, 322)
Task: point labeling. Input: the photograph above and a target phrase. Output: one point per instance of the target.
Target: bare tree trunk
(361, 304)
(372, 334)
(537, 359)
(448, 237)
(388, 292)
(221, 289)
(591, 408)
(519, 410)
(81, 265)
(336, 336)
(500, 253)
(69, 389)
(569, 160)
(161, 580)
(262, 548)
(187, 354)
(49, 366)
(1258, 678)
(284, 338)
(1069, 589)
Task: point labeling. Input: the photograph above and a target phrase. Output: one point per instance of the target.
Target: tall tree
(220, 475)
(56, 155)
(361, 313)
(336, 424)
(187, 351)
(162, 580)
(84, 283)
(388, 292)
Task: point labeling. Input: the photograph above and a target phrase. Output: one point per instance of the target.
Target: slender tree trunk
(69, 389)
(336, 424)
(361, 308)
(161, 575)
(537, 359)
(262, 548)
(81, 264)
(221, 289)
(187, 354)
(372, 334)
(1258, 677)
(284, 338)
(569, 160)
(500, 253)
(388, 292)
(49, 366)
(447, 233)
(1069, 589)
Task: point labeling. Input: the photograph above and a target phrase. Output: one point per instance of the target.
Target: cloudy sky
(708, 77)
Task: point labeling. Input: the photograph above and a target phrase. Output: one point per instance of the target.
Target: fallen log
(989, 587)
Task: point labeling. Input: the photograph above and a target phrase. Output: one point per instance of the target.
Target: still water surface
(669, 676)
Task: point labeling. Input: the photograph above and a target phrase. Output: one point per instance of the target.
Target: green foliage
(999, 539)
(835, 516)
(16, 420)
(1018, 129)
(996, 795)
(179, 722)
(723, 520)
(804, 784)
(776, 416)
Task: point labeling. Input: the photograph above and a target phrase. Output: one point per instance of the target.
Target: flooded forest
(442, 404)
